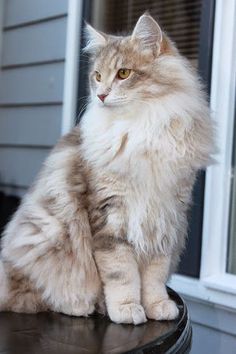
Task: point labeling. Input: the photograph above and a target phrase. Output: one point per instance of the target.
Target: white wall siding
(18, 12)
(43, 125)
(31, 87)
(207, 340)
(214, 328)
(19, 165)
(35, 43)
(32, 84)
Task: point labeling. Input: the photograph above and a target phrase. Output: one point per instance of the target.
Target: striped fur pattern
(104, 224)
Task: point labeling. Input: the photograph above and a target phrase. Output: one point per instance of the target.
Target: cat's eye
(123, 73)
(98, 76)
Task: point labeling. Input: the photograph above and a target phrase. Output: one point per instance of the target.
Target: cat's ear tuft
(94, 39)
(148, 32)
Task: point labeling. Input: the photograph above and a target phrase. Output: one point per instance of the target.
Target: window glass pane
(180, 19)
(231, 261)
(185, 21)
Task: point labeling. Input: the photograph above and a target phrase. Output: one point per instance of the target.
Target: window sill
(223, 282)
(217, 290)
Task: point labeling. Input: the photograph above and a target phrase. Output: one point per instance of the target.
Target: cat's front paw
(163, 310)
(127, 313)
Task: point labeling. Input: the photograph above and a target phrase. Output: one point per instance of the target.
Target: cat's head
(130, 69)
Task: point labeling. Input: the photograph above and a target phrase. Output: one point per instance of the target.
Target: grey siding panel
(30, 125)
(43, 83)
(23, 11)
(207, 340)
(31, 88)
(13, 190)
(220, 319)
(20, 165)
(36, 43)
(214, 329)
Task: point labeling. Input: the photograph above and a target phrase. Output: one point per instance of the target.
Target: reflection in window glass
(180, 19)
(183, 21)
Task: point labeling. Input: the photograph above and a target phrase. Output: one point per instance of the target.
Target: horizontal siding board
(30, 125)
(42, 83)
(31, 88)
(31, 44)
(23, 11)
(13, 190)
(19, 166)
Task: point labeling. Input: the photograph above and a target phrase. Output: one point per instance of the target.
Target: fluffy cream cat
(107, 214)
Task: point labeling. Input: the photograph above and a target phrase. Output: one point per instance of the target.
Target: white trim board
(71, 77)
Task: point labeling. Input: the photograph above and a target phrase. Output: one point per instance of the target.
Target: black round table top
(53, 333)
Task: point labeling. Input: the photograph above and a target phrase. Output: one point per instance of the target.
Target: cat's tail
(4, 287)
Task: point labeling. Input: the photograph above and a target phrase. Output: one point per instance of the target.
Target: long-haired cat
(106, 216)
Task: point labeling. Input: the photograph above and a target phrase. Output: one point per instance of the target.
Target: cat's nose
(102, 97)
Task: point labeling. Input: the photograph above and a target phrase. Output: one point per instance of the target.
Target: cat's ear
(148, 32)
(94, 39)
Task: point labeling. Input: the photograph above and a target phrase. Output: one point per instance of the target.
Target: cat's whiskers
(83, 108)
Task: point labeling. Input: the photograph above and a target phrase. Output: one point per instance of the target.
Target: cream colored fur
(107, 213)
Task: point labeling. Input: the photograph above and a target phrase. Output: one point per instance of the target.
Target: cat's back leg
(17, 292)
(40, 247)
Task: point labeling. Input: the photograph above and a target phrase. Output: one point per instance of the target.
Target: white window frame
(214, 284)
(71, 76)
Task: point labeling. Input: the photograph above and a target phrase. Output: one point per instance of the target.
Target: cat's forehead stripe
(115, 61)
(111, 57)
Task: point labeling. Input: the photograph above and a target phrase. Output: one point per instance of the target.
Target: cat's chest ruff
(141, 204)
(110, 142)
(137, 171)
(123, 150)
